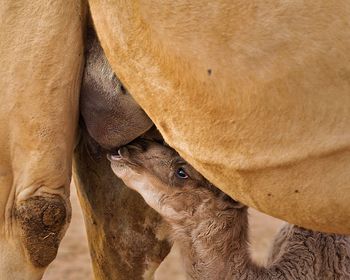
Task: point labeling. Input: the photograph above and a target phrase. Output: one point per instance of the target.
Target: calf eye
(119, 88)
(122, 89)
(180, 173)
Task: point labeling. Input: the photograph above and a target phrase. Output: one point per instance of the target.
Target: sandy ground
(73, 261)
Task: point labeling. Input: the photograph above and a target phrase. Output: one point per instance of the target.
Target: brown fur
(212, 228)
(127, 238)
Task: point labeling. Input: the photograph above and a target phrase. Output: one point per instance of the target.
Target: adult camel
(41, 57)
(253, 95)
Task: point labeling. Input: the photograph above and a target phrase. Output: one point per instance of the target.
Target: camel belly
(253, 96)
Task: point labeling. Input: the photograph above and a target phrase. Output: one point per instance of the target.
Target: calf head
(167, 182)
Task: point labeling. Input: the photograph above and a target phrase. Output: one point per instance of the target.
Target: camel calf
(212, 228)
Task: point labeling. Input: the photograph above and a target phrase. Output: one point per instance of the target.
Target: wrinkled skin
(212, 229)
(111, 115)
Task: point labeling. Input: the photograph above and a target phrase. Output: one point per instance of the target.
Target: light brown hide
(41, 55)
(127, 238)
(255, 95)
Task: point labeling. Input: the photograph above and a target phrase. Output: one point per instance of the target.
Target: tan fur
(41, 55)
(212, 229)
(255, 95)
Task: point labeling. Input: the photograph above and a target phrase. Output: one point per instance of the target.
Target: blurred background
(73, 260)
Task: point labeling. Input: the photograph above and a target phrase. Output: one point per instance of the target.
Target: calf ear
(238, 205)
(233, 203)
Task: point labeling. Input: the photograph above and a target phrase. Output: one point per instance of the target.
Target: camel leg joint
(42, 223)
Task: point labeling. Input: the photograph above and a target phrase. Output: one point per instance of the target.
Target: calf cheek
(42, 223)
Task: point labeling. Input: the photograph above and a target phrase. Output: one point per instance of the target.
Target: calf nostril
(115, 155)
(123, 152)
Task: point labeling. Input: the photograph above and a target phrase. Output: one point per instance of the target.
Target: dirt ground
(73, 261)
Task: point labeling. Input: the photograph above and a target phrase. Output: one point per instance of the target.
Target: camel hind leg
(126, 237)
